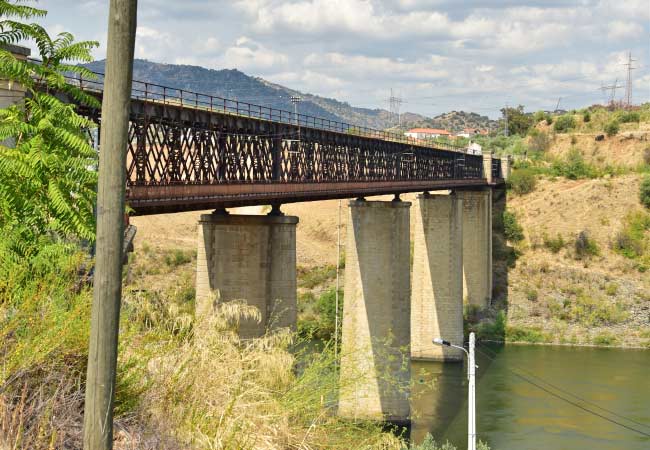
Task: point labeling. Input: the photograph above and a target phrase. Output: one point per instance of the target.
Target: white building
(474, 149)
(427, 133)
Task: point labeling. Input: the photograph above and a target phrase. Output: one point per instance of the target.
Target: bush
(178, 257)
(429, 443)
(586, 117)
(564, 123)
(511, 228)
(644, 192)
(630, 241)
(611, 128)
(309, 278)
(539, 140)
(554, 244)
(585, 246)
(573, 166)
(522, 181)
(532, 295)
(611, 289)
(629, 117)
(524, 334)
(590, 311)
(605, 339)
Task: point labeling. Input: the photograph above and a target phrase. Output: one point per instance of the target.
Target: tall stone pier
(251, 258)
(375, 368)
(477, 246)
(437, 297)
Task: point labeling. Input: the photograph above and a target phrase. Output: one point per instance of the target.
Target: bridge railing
(152, 92)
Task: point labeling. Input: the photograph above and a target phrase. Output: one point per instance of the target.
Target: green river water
(513, 414)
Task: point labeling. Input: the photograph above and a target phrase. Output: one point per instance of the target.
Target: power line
(571, 394)
(571, 402)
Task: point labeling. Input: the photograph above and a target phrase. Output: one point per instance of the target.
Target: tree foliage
(518, 121)
(47, 176)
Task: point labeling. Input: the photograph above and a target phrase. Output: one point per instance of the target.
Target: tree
(47, 176)
(518, 122)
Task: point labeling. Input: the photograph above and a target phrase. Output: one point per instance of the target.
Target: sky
(437, 55)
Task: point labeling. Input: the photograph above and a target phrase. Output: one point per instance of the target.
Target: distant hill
(233, 84)
(455, 121)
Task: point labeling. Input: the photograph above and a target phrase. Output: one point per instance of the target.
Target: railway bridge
(189, 151)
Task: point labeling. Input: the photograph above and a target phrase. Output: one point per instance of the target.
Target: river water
(513, 414)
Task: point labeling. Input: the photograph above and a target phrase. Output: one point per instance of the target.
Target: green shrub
(512, 230)
(585, 247)
(309, 278)
(525, 334)
(177, 257)
(549, 120)
(644, 191)
(631, 240)
(554, 244)
(611, 128)
(493, 330)
(429, 443)
(590, 311)
(532, 295)
(629, 117)
(522, 181)
(564, 123)
(586, 117)
(573, 166)
(611, 289)
(605, 338)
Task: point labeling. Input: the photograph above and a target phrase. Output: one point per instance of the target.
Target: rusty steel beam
(148, 200)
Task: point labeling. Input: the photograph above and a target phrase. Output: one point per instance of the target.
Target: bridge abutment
(477, 247)
(437, 297)
(251, 258)
(375, 368)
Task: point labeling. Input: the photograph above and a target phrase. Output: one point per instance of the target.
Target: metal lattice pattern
(168, 152)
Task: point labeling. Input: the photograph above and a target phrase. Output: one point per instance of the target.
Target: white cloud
(470, 54)
(624, 30)
(247, 54)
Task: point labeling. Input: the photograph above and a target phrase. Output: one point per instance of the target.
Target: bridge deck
(186, 155)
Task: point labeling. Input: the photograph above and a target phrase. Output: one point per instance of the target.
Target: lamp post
(295, 99)
(471, 397)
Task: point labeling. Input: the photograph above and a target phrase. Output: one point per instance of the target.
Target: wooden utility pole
(105, 317)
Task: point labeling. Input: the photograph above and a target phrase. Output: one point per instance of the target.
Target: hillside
(454, 121)
(544, 290)
(233, 84)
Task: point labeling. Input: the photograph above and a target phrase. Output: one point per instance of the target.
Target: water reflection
(513, 414)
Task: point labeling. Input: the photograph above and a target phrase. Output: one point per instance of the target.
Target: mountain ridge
(236, 85)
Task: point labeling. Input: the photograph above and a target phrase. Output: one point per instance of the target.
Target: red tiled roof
(428, 131)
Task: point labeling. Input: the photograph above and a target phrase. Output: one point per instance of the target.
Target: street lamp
(471, 398)
(295, 99)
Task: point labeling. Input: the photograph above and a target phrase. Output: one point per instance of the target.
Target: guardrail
(152, 92)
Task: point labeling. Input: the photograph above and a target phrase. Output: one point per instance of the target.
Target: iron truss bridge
(189, 151)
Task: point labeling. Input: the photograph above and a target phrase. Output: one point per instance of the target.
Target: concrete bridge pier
(437, 297)
(477, 247)
(251, 258)
(375, 367)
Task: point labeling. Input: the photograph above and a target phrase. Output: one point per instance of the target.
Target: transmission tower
(612, 90)
(395, 103)
(628, 84)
